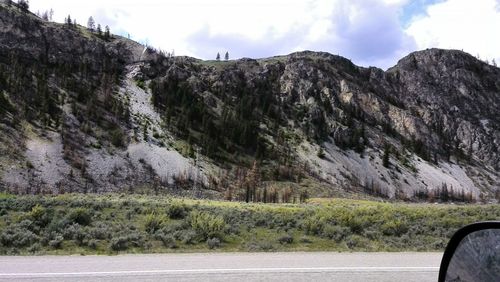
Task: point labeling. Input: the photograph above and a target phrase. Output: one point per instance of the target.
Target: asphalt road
(225, 267)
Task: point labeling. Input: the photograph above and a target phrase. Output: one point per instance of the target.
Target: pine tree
(444, 195)
(23, 5)
(254, 179)
(304, 196)
(68, 20)
(45, 16)
(91, 24)
(321, 153)
(107, 34)
(99, 30)
(217, 57)
(387, 152)
(226, 57)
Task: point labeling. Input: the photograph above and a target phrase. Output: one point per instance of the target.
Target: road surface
(226, 267)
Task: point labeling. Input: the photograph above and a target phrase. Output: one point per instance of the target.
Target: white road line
(227, 270)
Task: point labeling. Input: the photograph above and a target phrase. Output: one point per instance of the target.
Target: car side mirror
(473, 254)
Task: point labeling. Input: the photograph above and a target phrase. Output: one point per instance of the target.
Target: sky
(369, 32)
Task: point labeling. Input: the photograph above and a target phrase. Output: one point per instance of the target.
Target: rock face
(68, 108)
(457, 96)
(110, 115)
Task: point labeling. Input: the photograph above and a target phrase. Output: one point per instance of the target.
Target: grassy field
(112, 224)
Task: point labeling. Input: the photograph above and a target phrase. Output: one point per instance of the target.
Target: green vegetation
(110, 224)
(237, 129)
(35, 90)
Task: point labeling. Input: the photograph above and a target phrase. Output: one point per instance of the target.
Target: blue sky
(369, 32)
(416, 8)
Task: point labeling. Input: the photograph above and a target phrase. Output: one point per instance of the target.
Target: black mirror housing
(465, 237)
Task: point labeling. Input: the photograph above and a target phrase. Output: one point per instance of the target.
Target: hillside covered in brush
(87, 112)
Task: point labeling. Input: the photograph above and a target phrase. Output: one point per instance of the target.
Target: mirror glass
(477, 258)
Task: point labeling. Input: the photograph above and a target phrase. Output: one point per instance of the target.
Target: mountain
(88, 112)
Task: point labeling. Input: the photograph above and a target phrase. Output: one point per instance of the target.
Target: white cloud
(460, 24)
(395, 2)
(367, 31)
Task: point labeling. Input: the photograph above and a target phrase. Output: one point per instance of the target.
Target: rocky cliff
(80, 112)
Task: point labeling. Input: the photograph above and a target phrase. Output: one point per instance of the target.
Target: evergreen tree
(45, 16)
(91, 24)
(321, 153)
(254, 179)
(217, 57)
(23, 5)
(226, 56)
(99, 30)
(444, 195)
(107, 33)
(304, 196)
(68, 20)
(387, 152)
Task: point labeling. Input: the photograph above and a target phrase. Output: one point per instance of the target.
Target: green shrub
(117, 137)
(321, 153)
(57, 225)
(19, 235)
(261, 220)
(305, 240)
(335, 232)
(187, 237)
(140, 84)
(356, 242)
(285, 239)
(313, 225)
(21, 204)
(355, 225)
(177, 210)
(372, 235)
(153, 223)
(57, 242)
(34, 248)
(76, 232)
(233, 229)
(135, 239)
(285, 221)
(80, 216)
(41, 224)
(175, 226)
(439, 244)
(92, 243)
(39, 215)
(260, 246)
(207, 225)
(394, 228)
(168, 240)
(118, 244)
(213, 243)
(100, 231)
